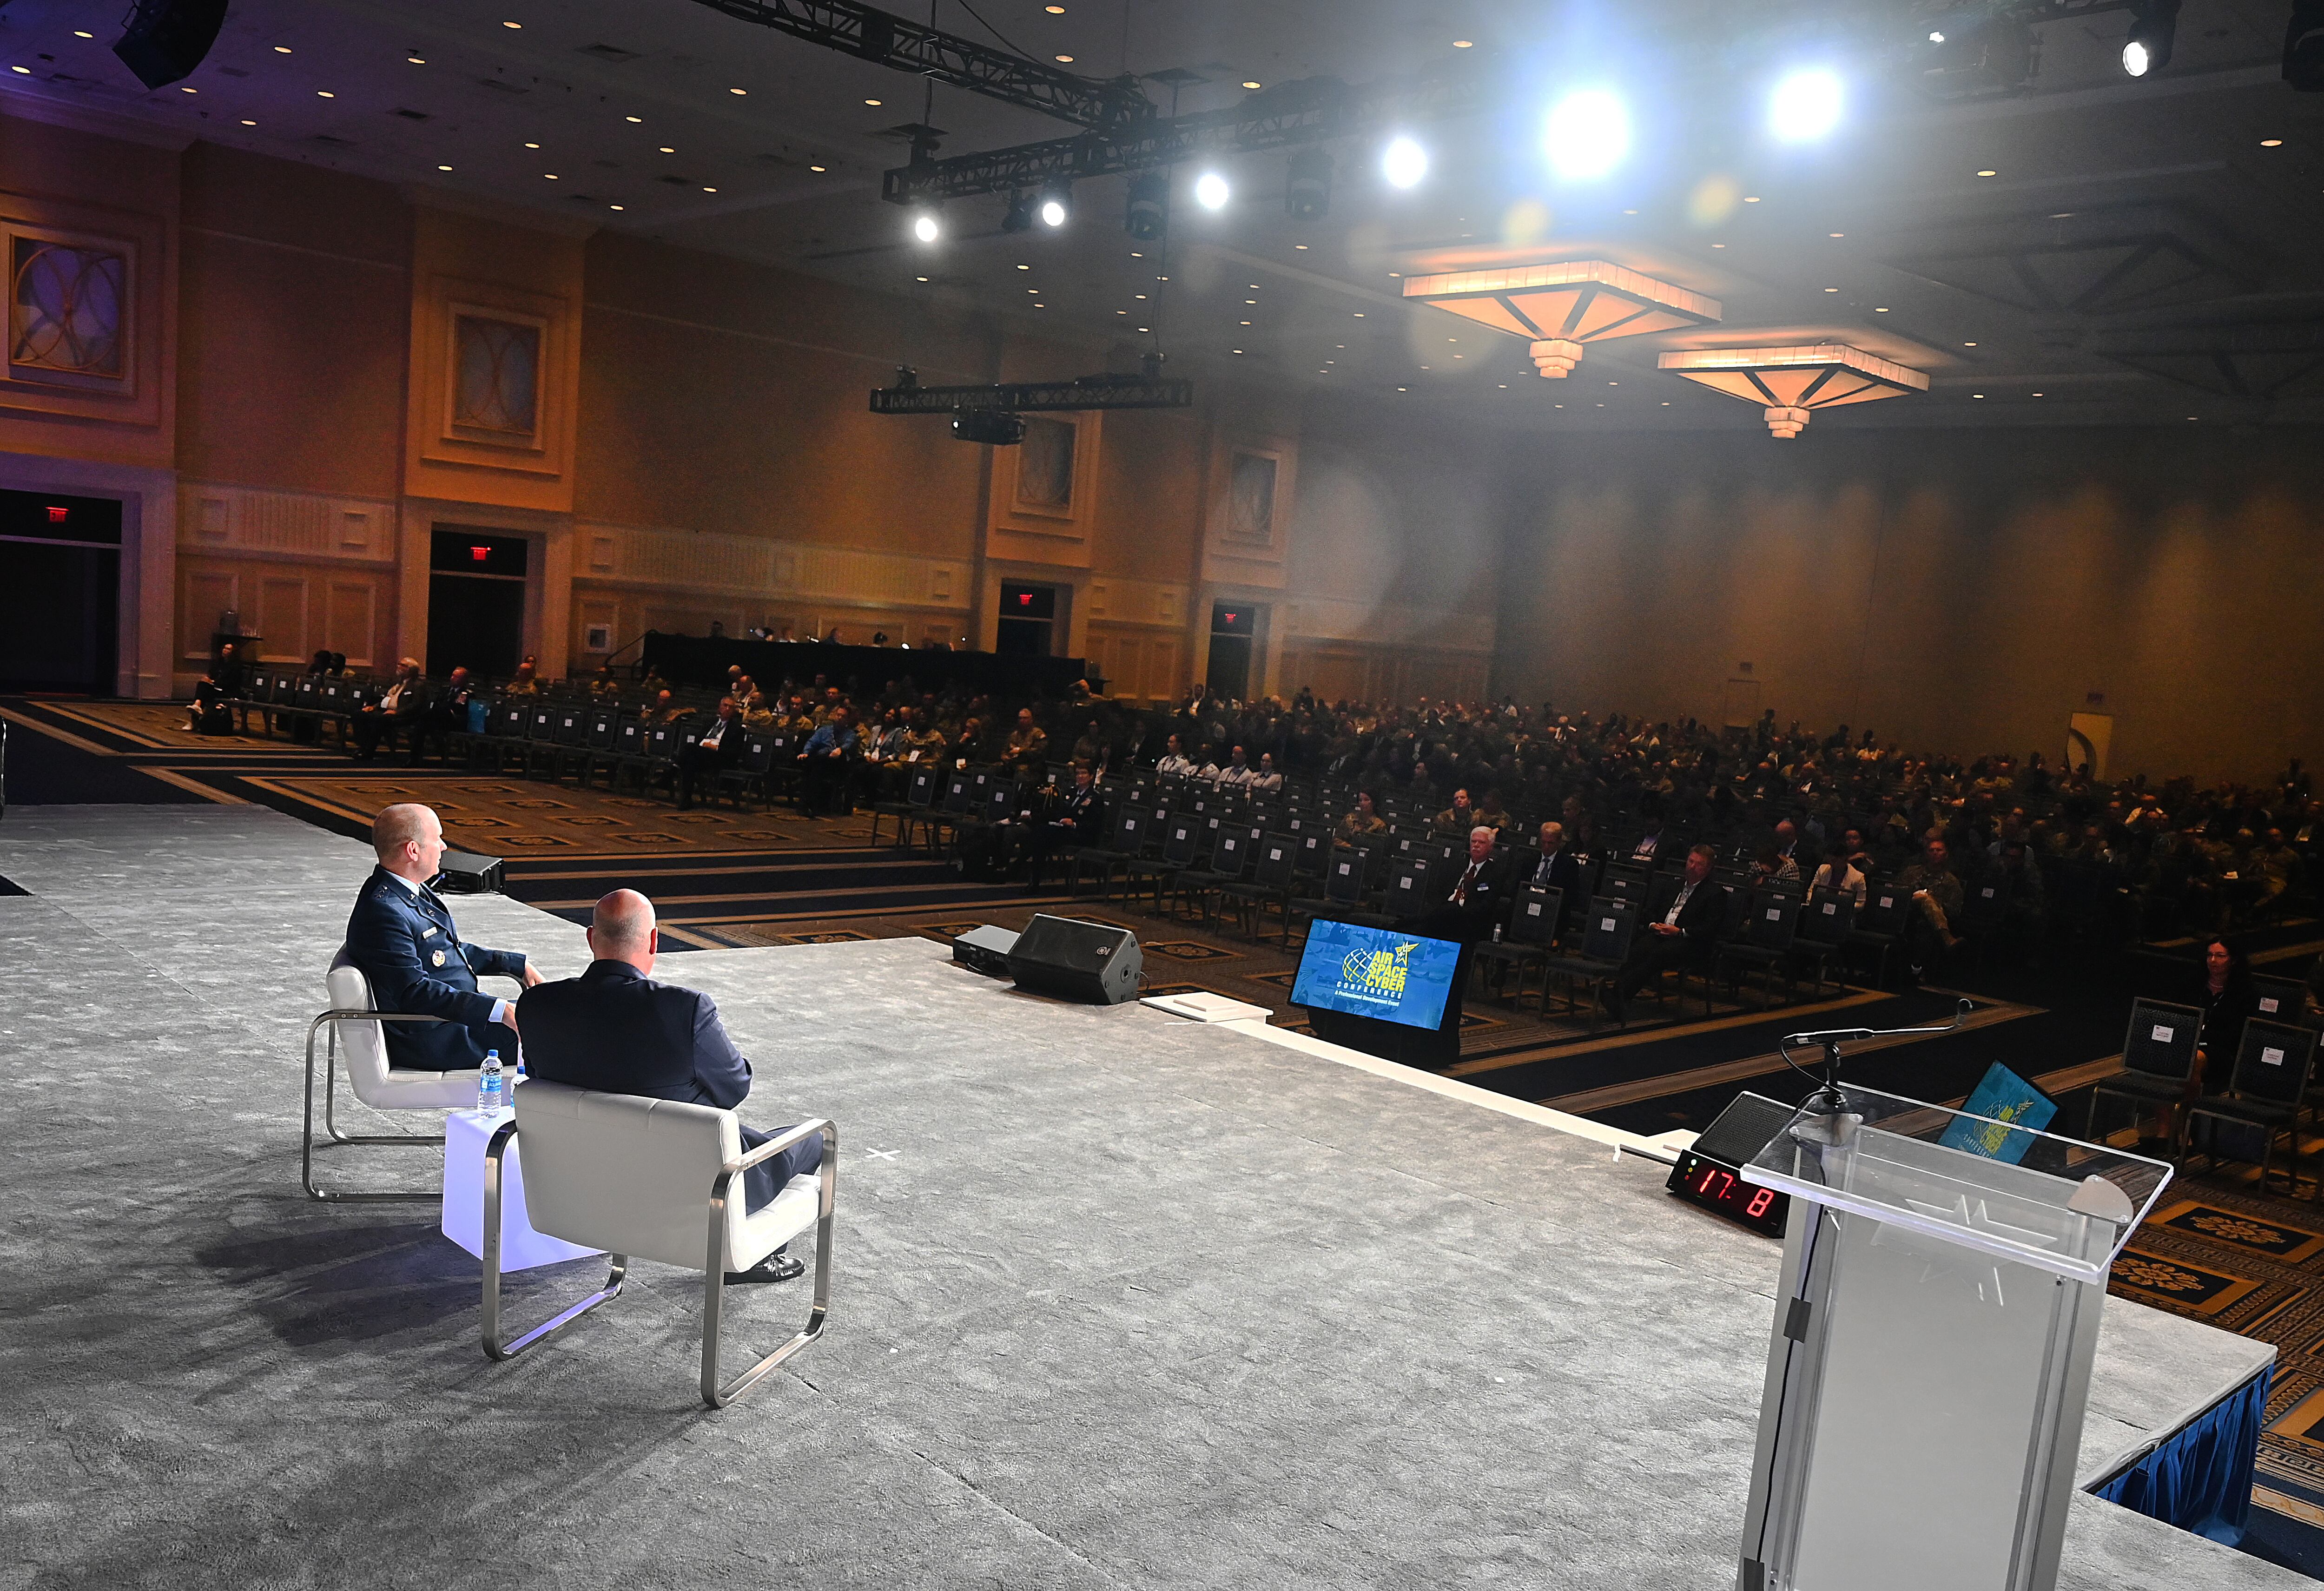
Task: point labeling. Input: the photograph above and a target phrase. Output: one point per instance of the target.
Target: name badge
(439, 957)
(427, 933)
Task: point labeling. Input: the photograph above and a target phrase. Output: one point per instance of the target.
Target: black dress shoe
(777, 1266)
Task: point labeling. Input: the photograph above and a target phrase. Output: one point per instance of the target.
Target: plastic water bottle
(491, 1098)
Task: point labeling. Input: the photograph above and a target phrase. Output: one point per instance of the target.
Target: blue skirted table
(2199, 1477)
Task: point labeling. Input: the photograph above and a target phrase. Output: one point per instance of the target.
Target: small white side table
(465, 1133)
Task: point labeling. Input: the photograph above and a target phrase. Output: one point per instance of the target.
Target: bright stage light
(1404, 162)
(1589, 133)
(1806, 106)
(2153, 29)
(1211, 191)
(1056, 204)
(926, 227)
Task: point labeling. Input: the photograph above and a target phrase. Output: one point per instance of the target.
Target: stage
(1121, 1300)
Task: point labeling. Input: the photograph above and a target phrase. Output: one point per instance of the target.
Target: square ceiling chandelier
(1559, 307)
(1792, 383)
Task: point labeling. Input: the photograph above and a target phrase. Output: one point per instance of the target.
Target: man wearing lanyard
(711, 752)
(1685, 937)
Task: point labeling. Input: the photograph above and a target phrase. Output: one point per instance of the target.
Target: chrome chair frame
(330, 1123)
(714, 1395)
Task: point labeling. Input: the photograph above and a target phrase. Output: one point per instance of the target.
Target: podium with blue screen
(1388, 993)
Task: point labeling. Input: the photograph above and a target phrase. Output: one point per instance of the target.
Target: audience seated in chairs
(402, 937)
(701, 762)
(825, 764)
(1937, 901)
(614, 1030)
(404, 708)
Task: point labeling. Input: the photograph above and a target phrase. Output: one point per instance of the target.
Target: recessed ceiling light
(1024, 268)
(1136, 255)
(1065, 59)
(1462, 44)
(185, 89)
(282, 50)
(1054, 10)
(1749, 199)
(710, 190)
(1032, 290)
(1238, 350)
(818, 168)
(1404, 389)
(550, 176)
(1040, 306)
(2271, 143)
(1141, 295)
(667, 150)
(511, 24)
(1665, 403)
(1832, 289)
(1359, 315)
(1879, 309)
(1977, 394)
(442, 168)
(738, 91)
(1988, 173)
(919, 279)
(1837, 235)
(1629, 212)
(1298, 245)
(870, 102)
(1251, 300)
(324, 93)
(615, 206)
(1144, 328)
(1504, 386)
(532, 146)
(633, 119)
(416, 60)
(1251, 84)
(2036, 394)
(83, 34)
(1242, 323)
(1121, 312)
(1968, 345)
(2190, 417)
(248, 123)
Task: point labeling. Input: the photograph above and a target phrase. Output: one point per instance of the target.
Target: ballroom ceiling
(2081, 249)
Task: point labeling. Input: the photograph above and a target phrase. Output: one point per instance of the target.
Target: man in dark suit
(615, 1030)
(1686, 935)
(1472, 903)
(403, 711)
(1555, 867)
(402, 938)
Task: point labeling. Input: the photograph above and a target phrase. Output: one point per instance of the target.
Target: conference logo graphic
(1376, 974)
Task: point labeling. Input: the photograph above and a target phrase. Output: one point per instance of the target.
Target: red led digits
(1760, 1202)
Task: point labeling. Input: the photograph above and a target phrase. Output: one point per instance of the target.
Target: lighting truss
(1089, 391)
(1306, 110)
(1112, 105)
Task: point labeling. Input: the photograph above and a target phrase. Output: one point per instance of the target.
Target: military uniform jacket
(406, 944)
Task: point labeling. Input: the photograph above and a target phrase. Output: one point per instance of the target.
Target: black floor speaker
(165, 39)
(1076, 960)
(466, 873)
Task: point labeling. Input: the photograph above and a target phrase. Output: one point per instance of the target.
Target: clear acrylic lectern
(1942, 1278)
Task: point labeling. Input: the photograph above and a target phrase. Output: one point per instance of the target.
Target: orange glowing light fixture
(1560, 307)
(1793, 383)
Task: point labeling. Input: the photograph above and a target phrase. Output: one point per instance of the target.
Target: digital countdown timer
(1717, 1189)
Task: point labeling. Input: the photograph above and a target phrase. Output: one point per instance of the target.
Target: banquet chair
(373, 1080)
(647, 1179)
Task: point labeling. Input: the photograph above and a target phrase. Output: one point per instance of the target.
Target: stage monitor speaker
(984, 950)
(165, 40)
(1077, 960)
(464, 872)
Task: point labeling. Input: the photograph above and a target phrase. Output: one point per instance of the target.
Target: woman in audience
(2223, 993)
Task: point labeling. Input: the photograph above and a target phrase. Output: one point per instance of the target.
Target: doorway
(475, 602)
(59, 593)
(1234, 629)
(1028, 619)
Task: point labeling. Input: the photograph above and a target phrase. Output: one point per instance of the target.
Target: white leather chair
(659, 1180)
(372, 1079)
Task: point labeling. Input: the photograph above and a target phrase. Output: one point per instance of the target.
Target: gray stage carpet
(1122, 1300)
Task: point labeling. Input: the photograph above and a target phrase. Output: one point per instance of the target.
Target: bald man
(402, 938)
(615, 1030)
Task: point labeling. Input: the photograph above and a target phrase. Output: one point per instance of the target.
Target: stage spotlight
(2304, 46)
(926, 226)
(1404, 162)
(1211, 191)
(1150, 205)
(1307, 196)
(1806, 106)
(1589, 133)
(1058, 203)
(1019, 214)
(2154, 28)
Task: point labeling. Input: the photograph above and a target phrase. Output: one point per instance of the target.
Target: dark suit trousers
(764, 1181)
(701, 764)
(1658, 955)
